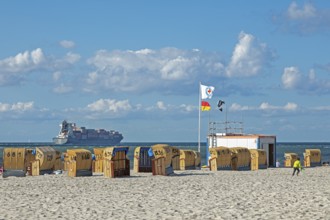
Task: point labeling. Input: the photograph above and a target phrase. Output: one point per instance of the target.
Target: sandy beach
(262, 194)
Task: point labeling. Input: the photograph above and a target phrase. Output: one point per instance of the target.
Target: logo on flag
(205, 106)
(206, 91)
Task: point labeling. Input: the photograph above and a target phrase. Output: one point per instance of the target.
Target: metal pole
(226, 122)
(199, 118)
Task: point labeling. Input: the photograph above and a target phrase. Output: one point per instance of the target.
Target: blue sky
(135, 67)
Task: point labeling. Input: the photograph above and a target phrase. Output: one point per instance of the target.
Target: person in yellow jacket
(296, 166)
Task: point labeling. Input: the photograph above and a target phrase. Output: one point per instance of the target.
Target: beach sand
(262, 194)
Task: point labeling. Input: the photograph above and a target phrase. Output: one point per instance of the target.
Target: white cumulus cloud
(291, 77)
(64, 62)
(188, 108)
(303, 19)
(22, 106)
(57, 76)
(146, 69)
(62, 88)
(238, 107)
(109, 105)
(72, 57)
(290, 106)
(307, 11)
(67, 44)
(267, 106)
(249, 57)
(4, 107)
(18, 68)
(16, 107)
(321, 108)
(264, 106)
(23, 62)
(161, 105)
(176, 69)
(169, 70)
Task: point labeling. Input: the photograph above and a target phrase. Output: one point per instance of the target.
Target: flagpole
(199, 119)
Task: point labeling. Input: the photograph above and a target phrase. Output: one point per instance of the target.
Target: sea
(281, 148)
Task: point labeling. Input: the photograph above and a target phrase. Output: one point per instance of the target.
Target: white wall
(250, 143)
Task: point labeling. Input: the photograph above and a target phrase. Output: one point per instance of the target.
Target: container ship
(70, 134)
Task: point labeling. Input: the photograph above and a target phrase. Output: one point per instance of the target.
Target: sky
(136, 67)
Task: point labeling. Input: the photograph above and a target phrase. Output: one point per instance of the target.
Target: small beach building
(250, 141)
(230, 134)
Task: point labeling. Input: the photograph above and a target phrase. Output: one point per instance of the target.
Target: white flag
(206, 91)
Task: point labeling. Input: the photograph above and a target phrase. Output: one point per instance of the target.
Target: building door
(271, 155)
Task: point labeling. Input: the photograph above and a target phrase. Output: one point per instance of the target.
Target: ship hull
(90, 141)
(94, 141)
(60, 141)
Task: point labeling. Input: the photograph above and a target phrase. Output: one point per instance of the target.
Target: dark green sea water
(281, 148)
